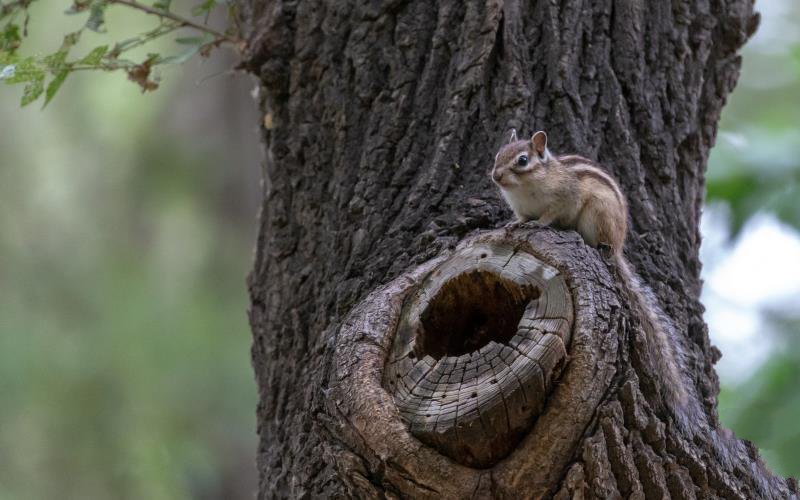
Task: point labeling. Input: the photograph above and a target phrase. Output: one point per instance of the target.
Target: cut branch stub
(421, 433)
(478, 346)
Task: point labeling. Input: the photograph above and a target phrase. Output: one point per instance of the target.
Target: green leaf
(55, 60)
(8, 58)
(10, 38)
(204, 8)
(195, 43)
(70, 39)
(25, 70)
(94, 57)
(54, 85)
(180, 58)
(162, 4)
(33, 90)
(193, 40)
(97, 17)
(122, 46)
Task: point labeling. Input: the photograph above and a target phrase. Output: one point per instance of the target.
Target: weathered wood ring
(375, 442)
(479, 344)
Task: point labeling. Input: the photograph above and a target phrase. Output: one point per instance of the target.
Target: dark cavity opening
(471, 310)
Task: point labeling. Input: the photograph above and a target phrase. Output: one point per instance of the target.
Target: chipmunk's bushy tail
(662, 342)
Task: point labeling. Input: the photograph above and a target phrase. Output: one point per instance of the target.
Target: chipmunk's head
(519, 162)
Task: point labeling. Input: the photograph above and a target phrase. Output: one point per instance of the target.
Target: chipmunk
(572, 192)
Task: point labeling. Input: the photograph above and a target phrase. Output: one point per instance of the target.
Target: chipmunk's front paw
(605, 250)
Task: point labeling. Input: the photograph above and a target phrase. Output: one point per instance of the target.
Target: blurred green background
(126, 230)
(127, 225)
(751, 246)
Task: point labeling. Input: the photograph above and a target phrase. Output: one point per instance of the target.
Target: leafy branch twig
(178, 19)
(33, 71)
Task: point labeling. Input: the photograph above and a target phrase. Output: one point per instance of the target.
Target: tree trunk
(380, 123)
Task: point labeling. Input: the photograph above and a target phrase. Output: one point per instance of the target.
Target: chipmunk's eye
(522, 160)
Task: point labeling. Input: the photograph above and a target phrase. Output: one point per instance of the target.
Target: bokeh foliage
(755, 169)
(124, 246)
(766, 408)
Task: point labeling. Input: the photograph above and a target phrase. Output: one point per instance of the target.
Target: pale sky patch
(757, 272)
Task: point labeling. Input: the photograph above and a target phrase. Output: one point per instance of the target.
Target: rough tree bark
(381, 120)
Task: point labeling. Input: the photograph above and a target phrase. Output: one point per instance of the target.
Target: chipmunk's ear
(513, 137)
(539, 141)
